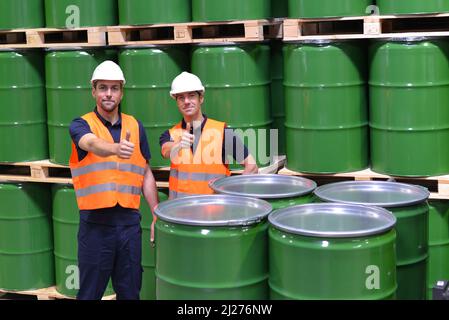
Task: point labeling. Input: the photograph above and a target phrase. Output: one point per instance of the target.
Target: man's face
(189, 103)
(108, 94)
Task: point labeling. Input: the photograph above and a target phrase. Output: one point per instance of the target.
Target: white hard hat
(186, 82)
(108, 70)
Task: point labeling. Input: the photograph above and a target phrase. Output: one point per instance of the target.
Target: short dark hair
(94, 84)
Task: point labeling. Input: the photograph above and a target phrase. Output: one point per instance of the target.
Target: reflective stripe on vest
(107, 187)
(195, 176)
(177, 195)
(103, 182)
(125, 167)
(192, 177)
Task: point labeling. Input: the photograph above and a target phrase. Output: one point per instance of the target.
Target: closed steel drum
(26, 238)
(332, 251)
(412, 6)
(438, 264)
(148, 290)
(21, 14)
(409, 205)
(135, 12)
(23, 115)
(327, 8)
(212, 247)
(280, 191)
(149, 72)
(409, 118)
(325, 106)
(277, 93)
(217, 10)
(88, 13)
(65, 229)
(69, 93)
(237, 82)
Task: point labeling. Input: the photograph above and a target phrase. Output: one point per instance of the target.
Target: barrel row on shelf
(33, 259)
(328, 125)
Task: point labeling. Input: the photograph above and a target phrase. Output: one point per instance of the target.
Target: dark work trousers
(106, 251)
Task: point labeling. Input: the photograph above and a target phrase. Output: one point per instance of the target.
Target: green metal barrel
(149, 72)
(212, 247)
(21, 14)
(277, 93)
(412, 6)
(148, 290)
(88, 13)
(23, 116)
(325, 106)
(409, 204)
(237, 82)
(279, 8)
(65, 230)
(327, 8)
(409, 118)
(26, 239)
(332, 251)
(136, 12)
(218, 10)
(69, 94)
(438, 264)
(280, 191)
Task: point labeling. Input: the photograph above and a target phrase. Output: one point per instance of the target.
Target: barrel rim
(408, 39)
(422, 194)
(148, 46)
(337, 208)
(217, 185)
(319, 41)
(265, 207)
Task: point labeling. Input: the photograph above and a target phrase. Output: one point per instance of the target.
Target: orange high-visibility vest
(190, 173)
(102, 182)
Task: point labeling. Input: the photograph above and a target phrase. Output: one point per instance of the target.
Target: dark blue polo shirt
(116, 215)
(226, 150)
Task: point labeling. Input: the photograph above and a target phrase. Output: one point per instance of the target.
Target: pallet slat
(53, 38)
(438, 185)
(367, 27)
(48, 294)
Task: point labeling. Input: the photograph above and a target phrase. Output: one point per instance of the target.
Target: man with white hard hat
(110, 169)
(196, 145)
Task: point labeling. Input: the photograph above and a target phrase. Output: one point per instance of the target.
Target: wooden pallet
(438, 185)
(196, 32)
(367, 27)
(35, 171)
(48, 294)
(53, 38)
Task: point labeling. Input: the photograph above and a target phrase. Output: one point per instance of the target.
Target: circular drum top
(377, 193)
(214, 210)
(333, 220)
(264, 186)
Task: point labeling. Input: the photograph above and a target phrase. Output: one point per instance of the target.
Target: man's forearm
(149, 189)
(250, 165)
(102, 148)
(99, 147)
(170, 150)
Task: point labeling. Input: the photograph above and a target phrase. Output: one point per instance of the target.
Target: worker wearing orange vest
(110, 169)
(195, 145)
